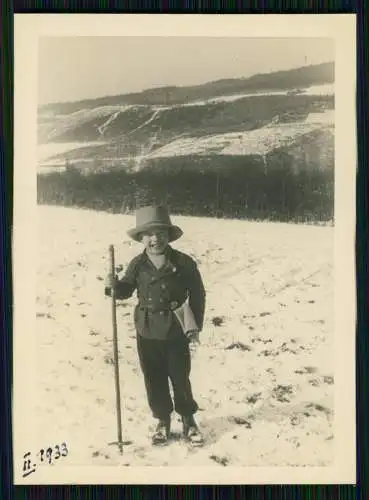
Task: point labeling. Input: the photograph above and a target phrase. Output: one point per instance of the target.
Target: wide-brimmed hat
(154, 217)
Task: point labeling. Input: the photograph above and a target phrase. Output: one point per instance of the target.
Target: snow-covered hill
(260, 148)
(244, 120)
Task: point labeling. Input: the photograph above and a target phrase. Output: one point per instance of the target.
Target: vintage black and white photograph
(184, 258)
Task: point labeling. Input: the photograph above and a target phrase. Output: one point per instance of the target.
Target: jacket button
(161, 313)
(163, 287)
(150, 299)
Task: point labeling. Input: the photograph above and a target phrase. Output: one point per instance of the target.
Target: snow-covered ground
(325, 89)
(263, 379)
(254, 142)
(258, 142)
(78, 118)
(50, 149)
(63, 123)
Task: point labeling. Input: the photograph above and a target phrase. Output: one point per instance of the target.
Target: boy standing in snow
(168, 317)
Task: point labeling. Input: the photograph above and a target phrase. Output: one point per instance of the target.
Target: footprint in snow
(268, 352)
(44, 315)
(220, 460)
(238, 345)
(241, 421)
(328, 379)
(281, 393)
(314, 382)
(218, 320)
(318, 407)
(306, 369)
(254, 398)
(295, 420)
(259, 339)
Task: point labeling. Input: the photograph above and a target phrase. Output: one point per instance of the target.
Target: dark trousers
(160, 361)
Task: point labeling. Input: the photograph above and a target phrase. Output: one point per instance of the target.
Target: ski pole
(115, 346)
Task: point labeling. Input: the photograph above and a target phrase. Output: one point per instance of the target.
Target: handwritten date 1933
(45, 456)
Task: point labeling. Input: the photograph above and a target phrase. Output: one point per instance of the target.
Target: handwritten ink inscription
(45, 456)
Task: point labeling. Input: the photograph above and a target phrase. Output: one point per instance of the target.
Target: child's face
(155, 241)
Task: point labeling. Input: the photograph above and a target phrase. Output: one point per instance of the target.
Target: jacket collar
(171, 261)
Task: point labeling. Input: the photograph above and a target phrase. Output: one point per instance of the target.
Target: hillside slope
(273, 134)
(134, 125)
(280, 80)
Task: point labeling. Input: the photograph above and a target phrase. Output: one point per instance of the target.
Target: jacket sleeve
(125, 287)
(197, 295)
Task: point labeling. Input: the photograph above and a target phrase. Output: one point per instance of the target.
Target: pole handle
(112, 260)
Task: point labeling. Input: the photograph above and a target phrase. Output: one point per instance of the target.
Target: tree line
(259, 188)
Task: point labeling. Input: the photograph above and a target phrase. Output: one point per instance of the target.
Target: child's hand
(193, 336)
(110, 281)
(194, 342)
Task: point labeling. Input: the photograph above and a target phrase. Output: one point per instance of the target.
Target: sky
(83, 67)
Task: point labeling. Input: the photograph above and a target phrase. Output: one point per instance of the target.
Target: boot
(191, 432)
(161, 433)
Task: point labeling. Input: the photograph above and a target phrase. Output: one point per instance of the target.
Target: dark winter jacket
(160, 291)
